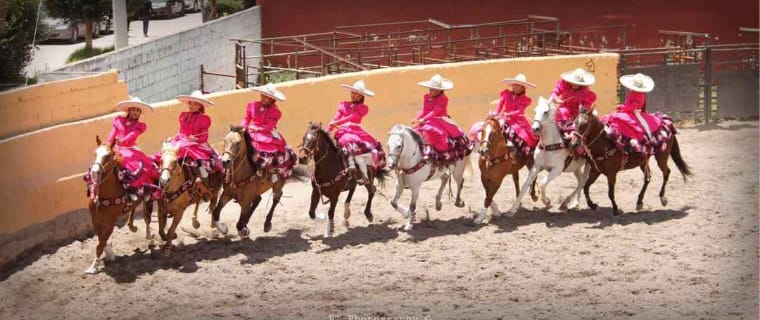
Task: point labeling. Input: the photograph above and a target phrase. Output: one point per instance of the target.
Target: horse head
(582, 125)
(169, 168)
(310, 142)
(234, 148)
(105, 159)
(400, 137)
(544, 114)
(487, 137)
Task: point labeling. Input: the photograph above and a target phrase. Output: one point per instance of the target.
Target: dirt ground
(697, 258)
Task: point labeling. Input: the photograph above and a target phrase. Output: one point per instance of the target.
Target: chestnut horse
(108, 201)
(242, 183)
(181, 187)
(608, 160)
(330, 177)
(496, 163)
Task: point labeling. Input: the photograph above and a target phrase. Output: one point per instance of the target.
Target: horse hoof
(244, 233)
(369, 216)
(534, 198)
(346, 223)
(221, 226)
(408, 227)
(394, 205)
(91, 271)
(438, 206)
(459, 204)
(133, 229)
(511, 213)
(593, 206)
(639, 206)
(267, 226)
(320, 216)
(196, 224)
(664, 200)
(479, 219)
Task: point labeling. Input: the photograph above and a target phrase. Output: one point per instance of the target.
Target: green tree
(16, 34)
(88, 12)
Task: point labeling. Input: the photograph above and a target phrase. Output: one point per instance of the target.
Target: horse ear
(232, 127)
(97, 140)
(319, 125)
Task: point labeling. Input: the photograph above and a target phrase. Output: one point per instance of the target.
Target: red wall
(643, 18)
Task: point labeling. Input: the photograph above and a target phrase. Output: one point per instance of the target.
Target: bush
(223, 7)
(16, 32)
(85, 53)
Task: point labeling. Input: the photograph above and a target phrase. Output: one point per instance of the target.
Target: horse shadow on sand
(127, 268)
(602, 218)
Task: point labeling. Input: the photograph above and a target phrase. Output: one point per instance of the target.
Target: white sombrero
(580, 77)
(437, 82)
(196, 96)
(638, 82)
(133, 102)
(270, 91)
(519, 79)
(359, 88)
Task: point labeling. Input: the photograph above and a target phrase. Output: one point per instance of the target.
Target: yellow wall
(34, 187)
(51, 103)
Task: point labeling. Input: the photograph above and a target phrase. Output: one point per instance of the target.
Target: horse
(412, 169)
(552, 155)
(589, 133)
(496, 163)
(180, 189)
(331, 178)
(242, 183)
(108, 201)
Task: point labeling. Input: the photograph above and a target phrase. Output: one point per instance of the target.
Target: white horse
(405, 156)
(550, 156)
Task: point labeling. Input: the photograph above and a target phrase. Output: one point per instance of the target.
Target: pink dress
(271, 149)
(515, 127)
(135, 161)
(352, 138)
(568, 110)
(448, 141)
(625, 129)
(192, 140)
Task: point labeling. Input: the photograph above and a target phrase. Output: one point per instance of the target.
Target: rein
(583, 136)
(415, 167)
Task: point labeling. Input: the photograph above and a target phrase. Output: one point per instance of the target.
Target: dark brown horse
(181, 188)
(242, 183)
(608, 160)
(495, 163)
(331, 176)
(108, 201)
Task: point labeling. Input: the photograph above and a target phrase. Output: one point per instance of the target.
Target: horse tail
(381, 174)
(300, 174)
(675, 153)
(470, 163)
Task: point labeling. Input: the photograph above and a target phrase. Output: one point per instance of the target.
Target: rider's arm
(131, 137)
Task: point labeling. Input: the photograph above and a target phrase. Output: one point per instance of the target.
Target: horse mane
(330, 140)
(415, 136)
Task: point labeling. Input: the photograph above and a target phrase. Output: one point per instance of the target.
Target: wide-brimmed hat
(359, 88)
(638, 82)
(133, 102)
(270, 91)
(519, 79)
(580, 77)
(437, 82)
(196, 96)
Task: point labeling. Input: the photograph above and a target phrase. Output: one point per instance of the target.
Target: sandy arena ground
(697, 258)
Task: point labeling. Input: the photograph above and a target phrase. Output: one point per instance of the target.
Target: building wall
(161, 69)
(42, 188)
(721, 19)
(43, 105)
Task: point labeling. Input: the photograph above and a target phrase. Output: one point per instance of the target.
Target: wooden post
(708, 84)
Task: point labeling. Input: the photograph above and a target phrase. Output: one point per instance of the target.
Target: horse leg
(591, 178)
(103, 231)
(217, 212)
(171, 234)
(611, 178)
(246, 211)
(347, 206)
(314, 202)
(459, 179)
(196, 224)
(330, 228)
(163, 212)
(147, 215)
(553, 173)
(412, 208)
(491, 185)
(444, 178)
(131, 218)
(533, 195)
(397, 195)
(579, 174)
(527, 184)
(647, 177)
(662, 162)
(277, 194)
(370, 195)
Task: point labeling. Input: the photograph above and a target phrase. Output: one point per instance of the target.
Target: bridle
(311, 137)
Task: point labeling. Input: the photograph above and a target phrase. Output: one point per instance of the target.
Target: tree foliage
(86, 11)
(16, 34)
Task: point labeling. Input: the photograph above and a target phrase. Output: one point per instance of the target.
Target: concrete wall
(45, 166)
(737, 94)
(676, 90)
(43, 105)
(161, 69)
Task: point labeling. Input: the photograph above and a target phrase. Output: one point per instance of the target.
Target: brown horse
(108, 201)
(608, 160)
(495, 163)
(331, 177)
(242, 183)
(181, 187)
